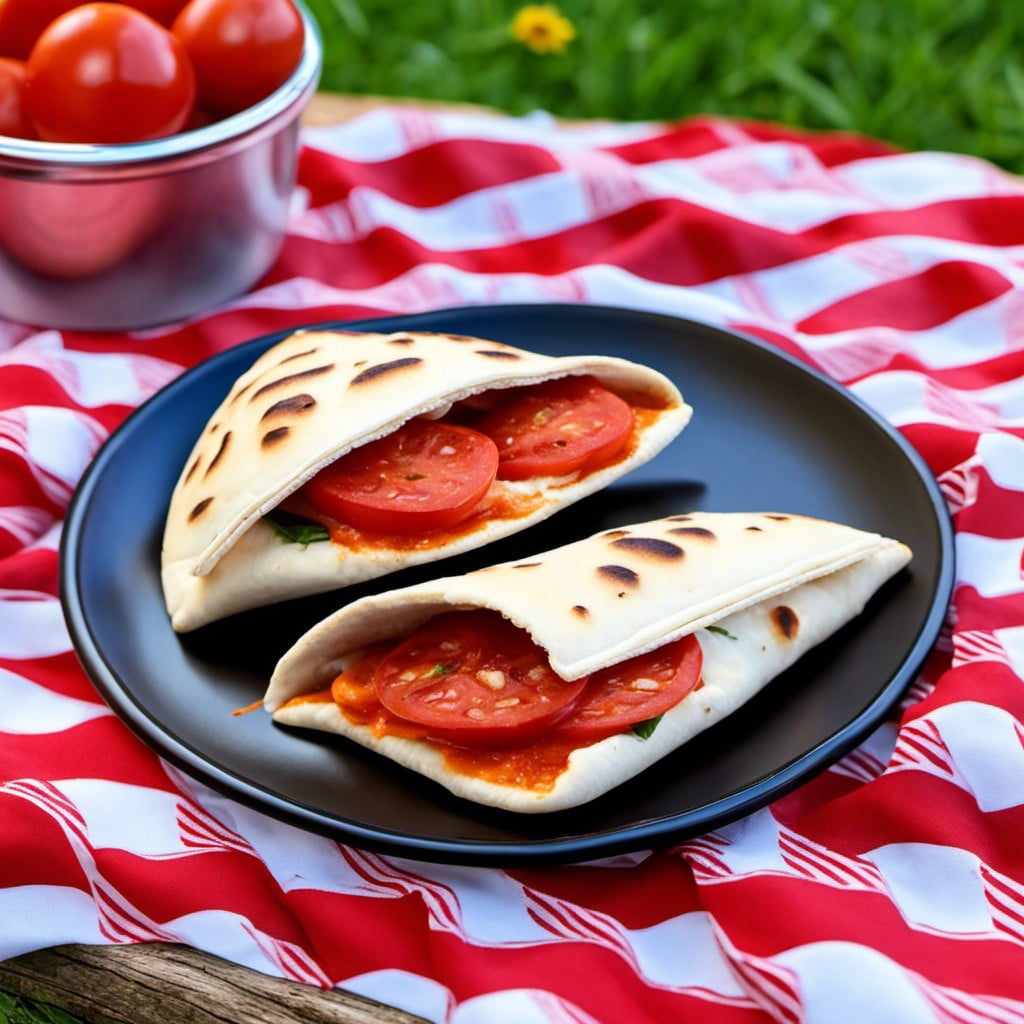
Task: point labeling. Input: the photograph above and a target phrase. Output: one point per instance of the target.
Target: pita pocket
(623, 610)
(318, 396)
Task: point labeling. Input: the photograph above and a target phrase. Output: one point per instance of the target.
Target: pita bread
(317, 395)
(757, 589)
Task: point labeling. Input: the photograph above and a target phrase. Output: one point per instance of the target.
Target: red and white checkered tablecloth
(888, 889)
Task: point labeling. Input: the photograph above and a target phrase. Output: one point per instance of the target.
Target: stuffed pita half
(539, 685)
(254, 518)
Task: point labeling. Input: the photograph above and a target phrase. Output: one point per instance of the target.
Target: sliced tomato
(425, 476)
(635, 690)
(557, 428)
(353, 689)
(474, 679)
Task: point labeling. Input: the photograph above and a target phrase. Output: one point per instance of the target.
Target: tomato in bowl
(118, 232)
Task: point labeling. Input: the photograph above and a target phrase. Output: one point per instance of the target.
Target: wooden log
(160, 983)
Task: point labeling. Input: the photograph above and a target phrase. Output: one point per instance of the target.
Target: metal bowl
(115, 237)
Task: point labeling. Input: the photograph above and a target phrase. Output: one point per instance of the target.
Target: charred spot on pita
(291, 378)
(458, 337)
(298, 355)
(291, 406)
(778, 519)
(785, 621)
(199, 509)
(382, 369)
(191, 469)
(272, 437)
(403, 340)
(619, 574)
(701, 532)
(617, 533)
(497, 353)
(241, 391)
(679, 519)
(581, 610)
(220, 452)
(755, 529)
(651, 547)
(526, 565)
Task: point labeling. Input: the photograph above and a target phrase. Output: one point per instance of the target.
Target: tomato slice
(635, 690)
(353, 688)
(557, 428)
(474, 679)
(425, 476)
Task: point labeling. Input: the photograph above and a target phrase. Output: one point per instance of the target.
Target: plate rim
(673, 829)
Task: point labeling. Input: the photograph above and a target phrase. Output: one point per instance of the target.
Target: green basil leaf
(441, 670)
(722, 632)
(298, 532)
(645, 730)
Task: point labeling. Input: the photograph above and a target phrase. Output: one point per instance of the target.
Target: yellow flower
(543, 28)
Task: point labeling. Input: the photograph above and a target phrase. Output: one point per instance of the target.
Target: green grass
(923, 74)
(14, 1010)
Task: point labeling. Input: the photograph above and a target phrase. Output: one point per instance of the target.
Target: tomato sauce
(316, 697)
(535, 765)
(499, 504)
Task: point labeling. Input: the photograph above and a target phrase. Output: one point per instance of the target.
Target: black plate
(767, 434)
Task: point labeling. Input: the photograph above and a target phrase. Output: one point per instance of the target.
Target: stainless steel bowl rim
(25, 158)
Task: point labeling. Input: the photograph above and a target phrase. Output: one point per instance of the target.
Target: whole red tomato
(22, 22)
(164, 11)
(241, 50)
(107, 73)
(12, 115)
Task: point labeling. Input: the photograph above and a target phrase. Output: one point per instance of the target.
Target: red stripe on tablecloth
(680, 142)
(33, 849)
(30, 570)
(699, 136)
(169, 887)
(782, 913)
(60, 673)
(913, 303)
(470, 165)
(976, 611)
(599, 980)
(705, 244)
(883, 819)
(22, 385)
(20, 486)
(832, 149)
(98, 749)
(1003, 516)
(967, 374)
(666, 889)
(941, 449)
